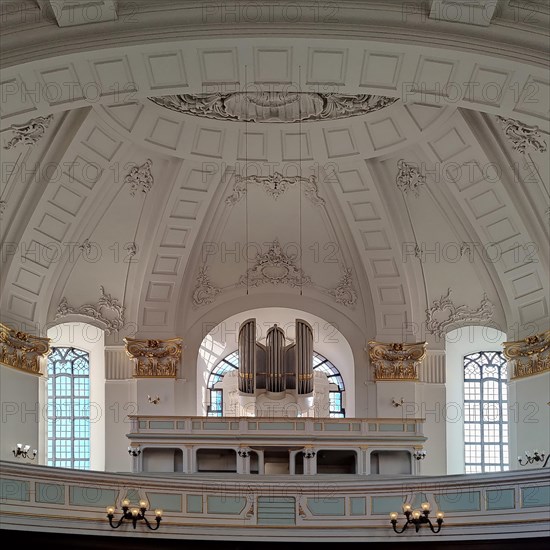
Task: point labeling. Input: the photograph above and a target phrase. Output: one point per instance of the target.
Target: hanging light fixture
(133, 514)
(534, 456)
(417, 518)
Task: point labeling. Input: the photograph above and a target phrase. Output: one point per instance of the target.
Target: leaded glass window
(69, 408)
(485, 412)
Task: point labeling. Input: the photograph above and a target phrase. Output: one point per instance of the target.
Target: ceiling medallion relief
(108, 311)
(522, 135)
(409, 178)
(276, 185)
(274, 267)
(30, 132)
(140, 178)
(455, 314)
(283, 106)
(154, 358)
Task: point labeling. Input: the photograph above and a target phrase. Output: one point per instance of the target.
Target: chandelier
(133, 514)
(417, 518)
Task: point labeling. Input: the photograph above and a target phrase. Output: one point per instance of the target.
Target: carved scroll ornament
(530, 355)
(396, 361)
(154, 358)
(22, 351)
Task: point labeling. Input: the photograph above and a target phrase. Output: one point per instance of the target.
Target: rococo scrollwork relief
(396, 361)
(21, 350)
(272, 106)
(530, 355)
(154, 358)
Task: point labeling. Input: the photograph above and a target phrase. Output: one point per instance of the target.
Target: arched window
(321, 363)
(485, 412)
(69, 408)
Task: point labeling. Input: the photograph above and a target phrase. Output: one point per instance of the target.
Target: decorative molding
(154, 358)
(308, 452)
(530, 355)
(275, 267)
(409, 178)
(275, 185)
(131, 248)
(140, 178)
(205, 292)
(21, 350)
(455, 314)
(244, 452)
(3, 205)
(344, 293)
(30, 132)
(522, 135)
(250, 512)
(274, 106)
(113, 321)
(396, 361)
(85, 247)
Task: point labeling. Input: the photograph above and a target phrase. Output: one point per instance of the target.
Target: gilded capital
(154, 358)
(529, 356)
(396, 361)
(23, 351)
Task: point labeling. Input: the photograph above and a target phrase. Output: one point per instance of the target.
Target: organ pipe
(275, 344)
(304, 356)
(247, 356)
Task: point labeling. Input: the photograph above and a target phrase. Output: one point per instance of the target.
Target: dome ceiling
(153, 207)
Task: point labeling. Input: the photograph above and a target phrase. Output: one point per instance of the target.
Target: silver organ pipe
(275, 344)
(247, 356)
(304, 357)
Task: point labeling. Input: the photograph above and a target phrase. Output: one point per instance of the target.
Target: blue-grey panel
(225, 505)
(535, 496)
(501, 499)
(91, 496)
(133, 496)
(390, 427)
(161, 424)
(52, 493)
(358, 506)
(276, 511)
(165, 501)
(14, 489)
(459, 502)
(276, 426)
(385, 505)
(194, 504)
(344, 427)
(326, 506)
(215, 426)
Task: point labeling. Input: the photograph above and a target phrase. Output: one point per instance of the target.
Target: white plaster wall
(21, 412)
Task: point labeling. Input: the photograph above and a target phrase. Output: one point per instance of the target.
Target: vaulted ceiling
(379, 166)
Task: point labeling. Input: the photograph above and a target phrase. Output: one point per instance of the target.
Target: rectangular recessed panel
(274, 510)
(394, 321)
(375, 240)
(327, 66)
(390, 427)
(351, 181)
(339, 142)
(22, 307)
(219, 66)
(198, 180)
(391, 295)
(386, 505)
(83, 171)
(225, 505)
(484, 203)
(14, 489)
(92, 496)
(448, 145)
(252, 146)
(380, 70)
(115, 77)
(161, 424)
(68, 200)
(464, 175)
(50, 493)
(501, 230)
(533, 311)
(500, 499)
(159, 292)
(29, 280)
(165, 501)
(52, 227)
(41, 254)
(384, 268)
(363, 211)
(208, 142)
(296, 146)
(358, 506)
(535, 98)
(276, 426)
(166, 70)
(384, 133)
(433, 76)
(341, 427)
(165, 133)
(526, 284)
(166, 265)
(175, 237)
(459, 502)
(273, 65)
(102, 144)
(215, 426)
(185, 210)
(326, 506)
(61, 85)
(154, 317)
(535, 497)
(486, 86)
(14, 101)
(194, 504)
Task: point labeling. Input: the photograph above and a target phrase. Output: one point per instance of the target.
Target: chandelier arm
(119, 522)
(147, 522)
(394, 524)
(546, 461)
